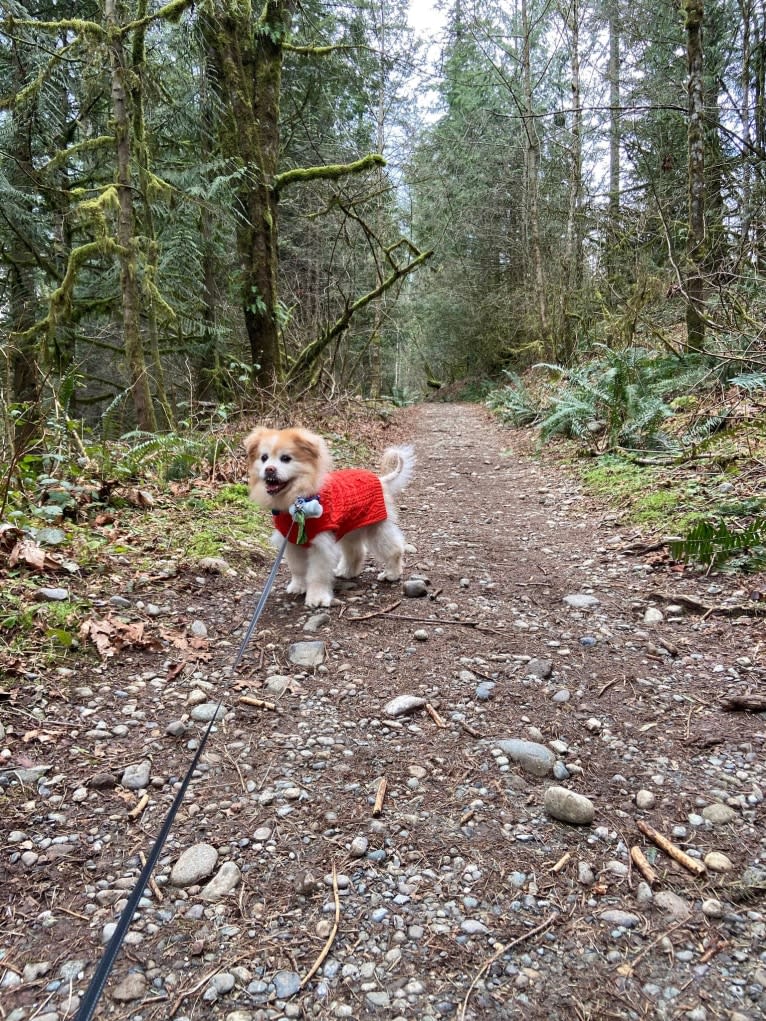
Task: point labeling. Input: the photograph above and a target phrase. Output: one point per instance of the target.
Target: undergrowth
(668, 436)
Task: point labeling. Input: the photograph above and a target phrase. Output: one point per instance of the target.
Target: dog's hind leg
(352, 555)
(387, 546)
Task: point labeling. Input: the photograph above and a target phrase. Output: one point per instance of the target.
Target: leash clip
(302, 509)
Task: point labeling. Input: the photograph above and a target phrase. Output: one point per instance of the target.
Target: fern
(514, 402)
(713, 543)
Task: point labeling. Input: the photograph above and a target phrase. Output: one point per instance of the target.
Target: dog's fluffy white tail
(398, 463)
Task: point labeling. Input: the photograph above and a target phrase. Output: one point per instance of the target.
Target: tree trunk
(532, 168)
(574, 234)
(126, 232)
(615, 139)
(249, 61)
(695, 249)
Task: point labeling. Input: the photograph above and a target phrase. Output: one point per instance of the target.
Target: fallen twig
(469, 729)
(434, 715)
(377, 808)
(376, 613)
(330, 939)
(711, 951)
(158, 895)
(258, 703)
(691, 864)
(549, 921)
(562, 862)
(137, 809)
(484, 628)
(697, 606)
(203, 981)
(745, 703)
(639, 860)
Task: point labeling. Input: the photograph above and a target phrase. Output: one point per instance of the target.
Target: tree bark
(248, 53)
(532, 168)
(695, 248)
(126, 227)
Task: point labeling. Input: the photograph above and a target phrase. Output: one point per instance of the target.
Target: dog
(357, 508)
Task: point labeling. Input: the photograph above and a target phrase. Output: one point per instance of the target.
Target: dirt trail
(464, 898)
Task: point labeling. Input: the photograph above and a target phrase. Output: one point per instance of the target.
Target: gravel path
(529, 702)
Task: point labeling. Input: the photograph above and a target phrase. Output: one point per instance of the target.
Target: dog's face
(284, 464)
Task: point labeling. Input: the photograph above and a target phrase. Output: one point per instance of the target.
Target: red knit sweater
(352, 498)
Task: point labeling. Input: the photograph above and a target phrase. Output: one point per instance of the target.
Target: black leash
(105, 965)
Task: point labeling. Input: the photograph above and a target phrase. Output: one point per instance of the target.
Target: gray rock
(581, 601)
(226, 880)
(719, 815)
(198, 629)
(542, 668)
(379, 998)
(132, 987)
(534, 758)
(645, 799)
(585, 874)
(716, 861)
(653, 615)
(307, 654)
(176, 729)
(560, 771)
(569, 806)
(214, 565)
(315, 622)
(52, 595)
(473, 927)
(624, 919)
(36, 970)
(286, 984)
(137, 776)
(195, 864)
(415, 588)
(402, 705)
(562, 696)
(359, 847)
(208, 711)
(485, 691)
(278, 684)
(673, 905)
(712, 908)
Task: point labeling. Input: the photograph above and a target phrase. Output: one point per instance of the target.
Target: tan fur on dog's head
(284, 464)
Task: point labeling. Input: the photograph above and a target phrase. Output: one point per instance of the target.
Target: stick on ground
(379, 797)
(690, 864)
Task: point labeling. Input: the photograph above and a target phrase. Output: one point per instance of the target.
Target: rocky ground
(538, 649)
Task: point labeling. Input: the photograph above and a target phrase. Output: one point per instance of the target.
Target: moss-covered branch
(308, 357)
(332, 171)
(77, 149)
(63, 25)
(170, 12)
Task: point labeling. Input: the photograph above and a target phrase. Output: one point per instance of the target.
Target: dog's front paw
(296, 588)
(318, 596)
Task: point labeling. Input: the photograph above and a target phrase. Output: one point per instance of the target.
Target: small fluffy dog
(357, 508)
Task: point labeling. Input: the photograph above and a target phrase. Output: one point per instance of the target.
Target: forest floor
(464, 896)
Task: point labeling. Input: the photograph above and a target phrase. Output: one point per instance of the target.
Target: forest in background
(203, 202)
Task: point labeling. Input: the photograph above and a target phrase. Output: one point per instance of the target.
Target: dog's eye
(285, 459)
(264, 457)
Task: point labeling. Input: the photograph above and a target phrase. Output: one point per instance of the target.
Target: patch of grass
(649, 496)
(34, 629)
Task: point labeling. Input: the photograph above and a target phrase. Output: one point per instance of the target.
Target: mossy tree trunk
(248, 54)
(696, 243)
(126, 226)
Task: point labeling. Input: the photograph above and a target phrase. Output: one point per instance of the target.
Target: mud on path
(464, 897)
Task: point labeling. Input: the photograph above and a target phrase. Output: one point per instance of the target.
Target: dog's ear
(314, 449)
(253, 441)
